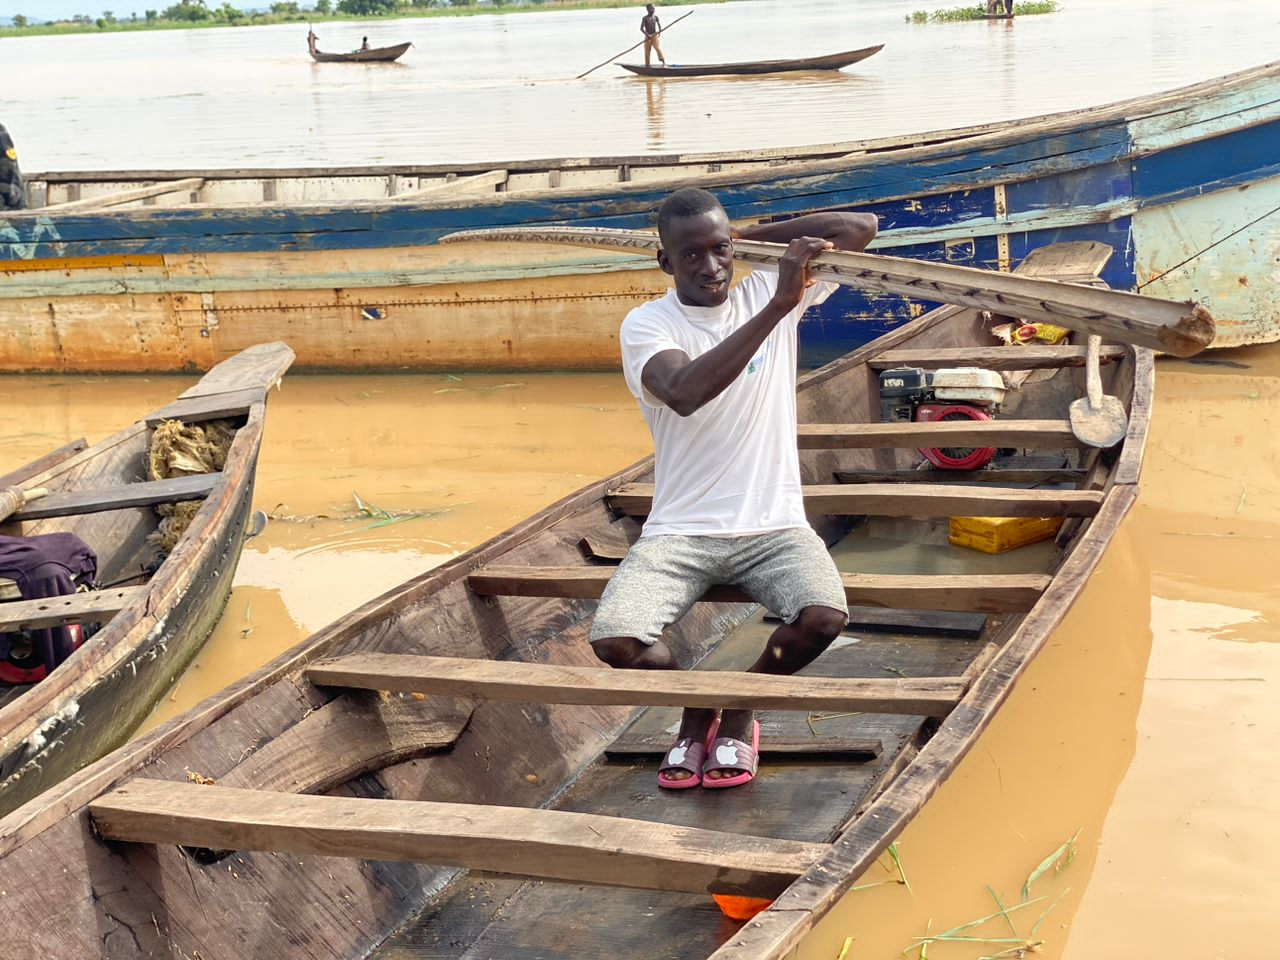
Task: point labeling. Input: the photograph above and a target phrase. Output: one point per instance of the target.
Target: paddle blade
(1101, 426)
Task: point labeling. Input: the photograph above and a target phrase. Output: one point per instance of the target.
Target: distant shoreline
(101, 24)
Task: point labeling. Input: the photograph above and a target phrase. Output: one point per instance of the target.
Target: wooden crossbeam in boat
(129, 196)
(964, 593)
(1019, 434)
(558, 683)
(69, 608)
(231, 403)
(489, 179)
(176, 489)
(992, 358)
(856, 749)
(1038, 476)
(932, 623)
(895, 500)
(548, 844)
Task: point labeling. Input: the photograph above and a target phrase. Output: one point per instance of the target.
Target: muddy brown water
(1146, 728)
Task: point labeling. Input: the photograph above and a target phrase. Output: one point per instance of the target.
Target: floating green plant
(955, 14)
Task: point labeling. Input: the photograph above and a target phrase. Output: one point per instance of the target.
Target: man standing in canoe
(714, 372)
(650, 26)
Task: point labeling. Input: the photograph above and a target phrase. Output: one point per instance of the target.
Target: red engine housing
(954, 458)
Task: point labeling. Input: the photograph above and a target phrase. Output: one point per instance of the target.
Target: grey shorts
(662, 577)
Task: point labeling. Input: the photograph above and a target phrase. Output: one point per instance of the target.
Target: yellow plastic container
(998, 534)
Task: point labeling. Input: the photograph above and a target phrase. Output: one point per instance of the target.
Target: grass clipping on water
(181, 450)
(953, 14)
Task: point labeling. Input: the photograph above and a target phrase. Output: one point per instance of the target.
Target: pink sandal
(686, 754)
(728, 753)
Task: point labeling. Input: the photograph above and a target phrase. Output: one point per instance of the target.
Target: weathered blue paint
(1068, 177)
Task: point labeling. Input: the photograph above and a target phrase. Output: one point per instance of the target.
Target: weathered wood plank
(927, 622)
(351, 735)
(552, 844)
(1183, 329)
(1027, 475)
(211, 407)
(40, 465)
(71, 608)
(898, 500)
(1019, 434)
(992, 358)
(194, 487)
(491, 178)
(258, 367)
(860, 750)
(962, 593)
(128, 196)
(558, 683)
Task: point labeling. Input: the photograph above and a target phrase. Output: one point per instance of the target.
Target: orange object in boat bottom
(740, 908)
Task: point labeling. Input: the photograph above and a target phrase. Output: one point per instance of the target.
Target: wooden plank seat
(70, 608)
(516, 680)
(993, 358)
(1018, 434)
(216, 406)
(897, 500)
(854, 749)
(516, 841)
(928, 622)
(963, 593)
(1031, 476)
(194, 487)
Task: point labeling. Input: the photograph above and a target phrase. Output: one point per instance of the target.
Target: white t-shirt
(731, 467)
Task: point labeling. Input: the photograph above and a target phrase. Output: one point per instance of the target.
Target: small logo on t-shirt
(758, 360)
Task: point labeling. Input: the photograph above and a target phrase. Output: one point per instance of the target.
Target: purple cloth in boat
(46, 565)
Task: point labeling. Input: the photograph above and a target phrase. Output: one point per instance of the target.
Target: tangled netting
(178, 450)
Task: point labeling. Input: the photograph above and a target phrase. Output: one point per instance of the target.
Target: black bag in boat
(48, 565)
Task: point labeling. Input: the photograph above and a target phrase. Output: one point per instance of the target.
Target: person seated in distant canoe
(714, 372)
(13, 193)
(650, 26)
(364, 43)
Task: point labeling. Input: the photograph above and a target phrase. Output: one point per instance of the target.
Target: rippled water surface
(492, 88)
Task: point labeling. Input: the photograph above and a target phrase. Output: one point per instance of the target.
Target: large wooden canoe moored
(448, 769)
(830, 61)
(156, 270)
(158, 601)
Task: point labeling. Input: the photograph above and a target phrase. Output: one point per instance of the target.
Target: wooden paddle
(634, 45)
(1182, 329)
(1097, 419)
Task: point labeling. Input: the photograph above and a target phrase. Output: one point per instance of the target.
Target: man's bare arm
(845, 231)
(685, 385)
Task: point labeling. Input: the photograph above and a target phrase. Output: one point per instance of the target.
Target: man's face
(698, 252)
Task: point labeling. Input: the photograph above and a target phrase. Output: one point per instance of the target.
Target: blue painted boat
(1185, 185)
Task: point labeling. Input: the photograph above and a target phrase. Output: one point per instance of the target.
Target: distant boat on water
(830, 61)
(363, 55)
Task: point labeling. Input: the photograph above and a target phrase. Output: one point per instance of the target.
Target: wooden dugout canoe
(830, 61)
(490, 800)
(154, 622)
(156, 270)
(369, 55)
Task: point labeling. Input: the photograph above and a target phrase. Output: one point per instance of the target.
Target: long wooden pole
(634, 45)
(1182, 329)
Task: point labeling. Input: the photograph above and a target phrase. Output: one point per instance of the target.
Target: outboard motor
(957, 393)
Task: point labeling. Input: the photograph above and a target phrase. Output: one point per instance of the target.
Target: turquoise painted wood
(1185, 186)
